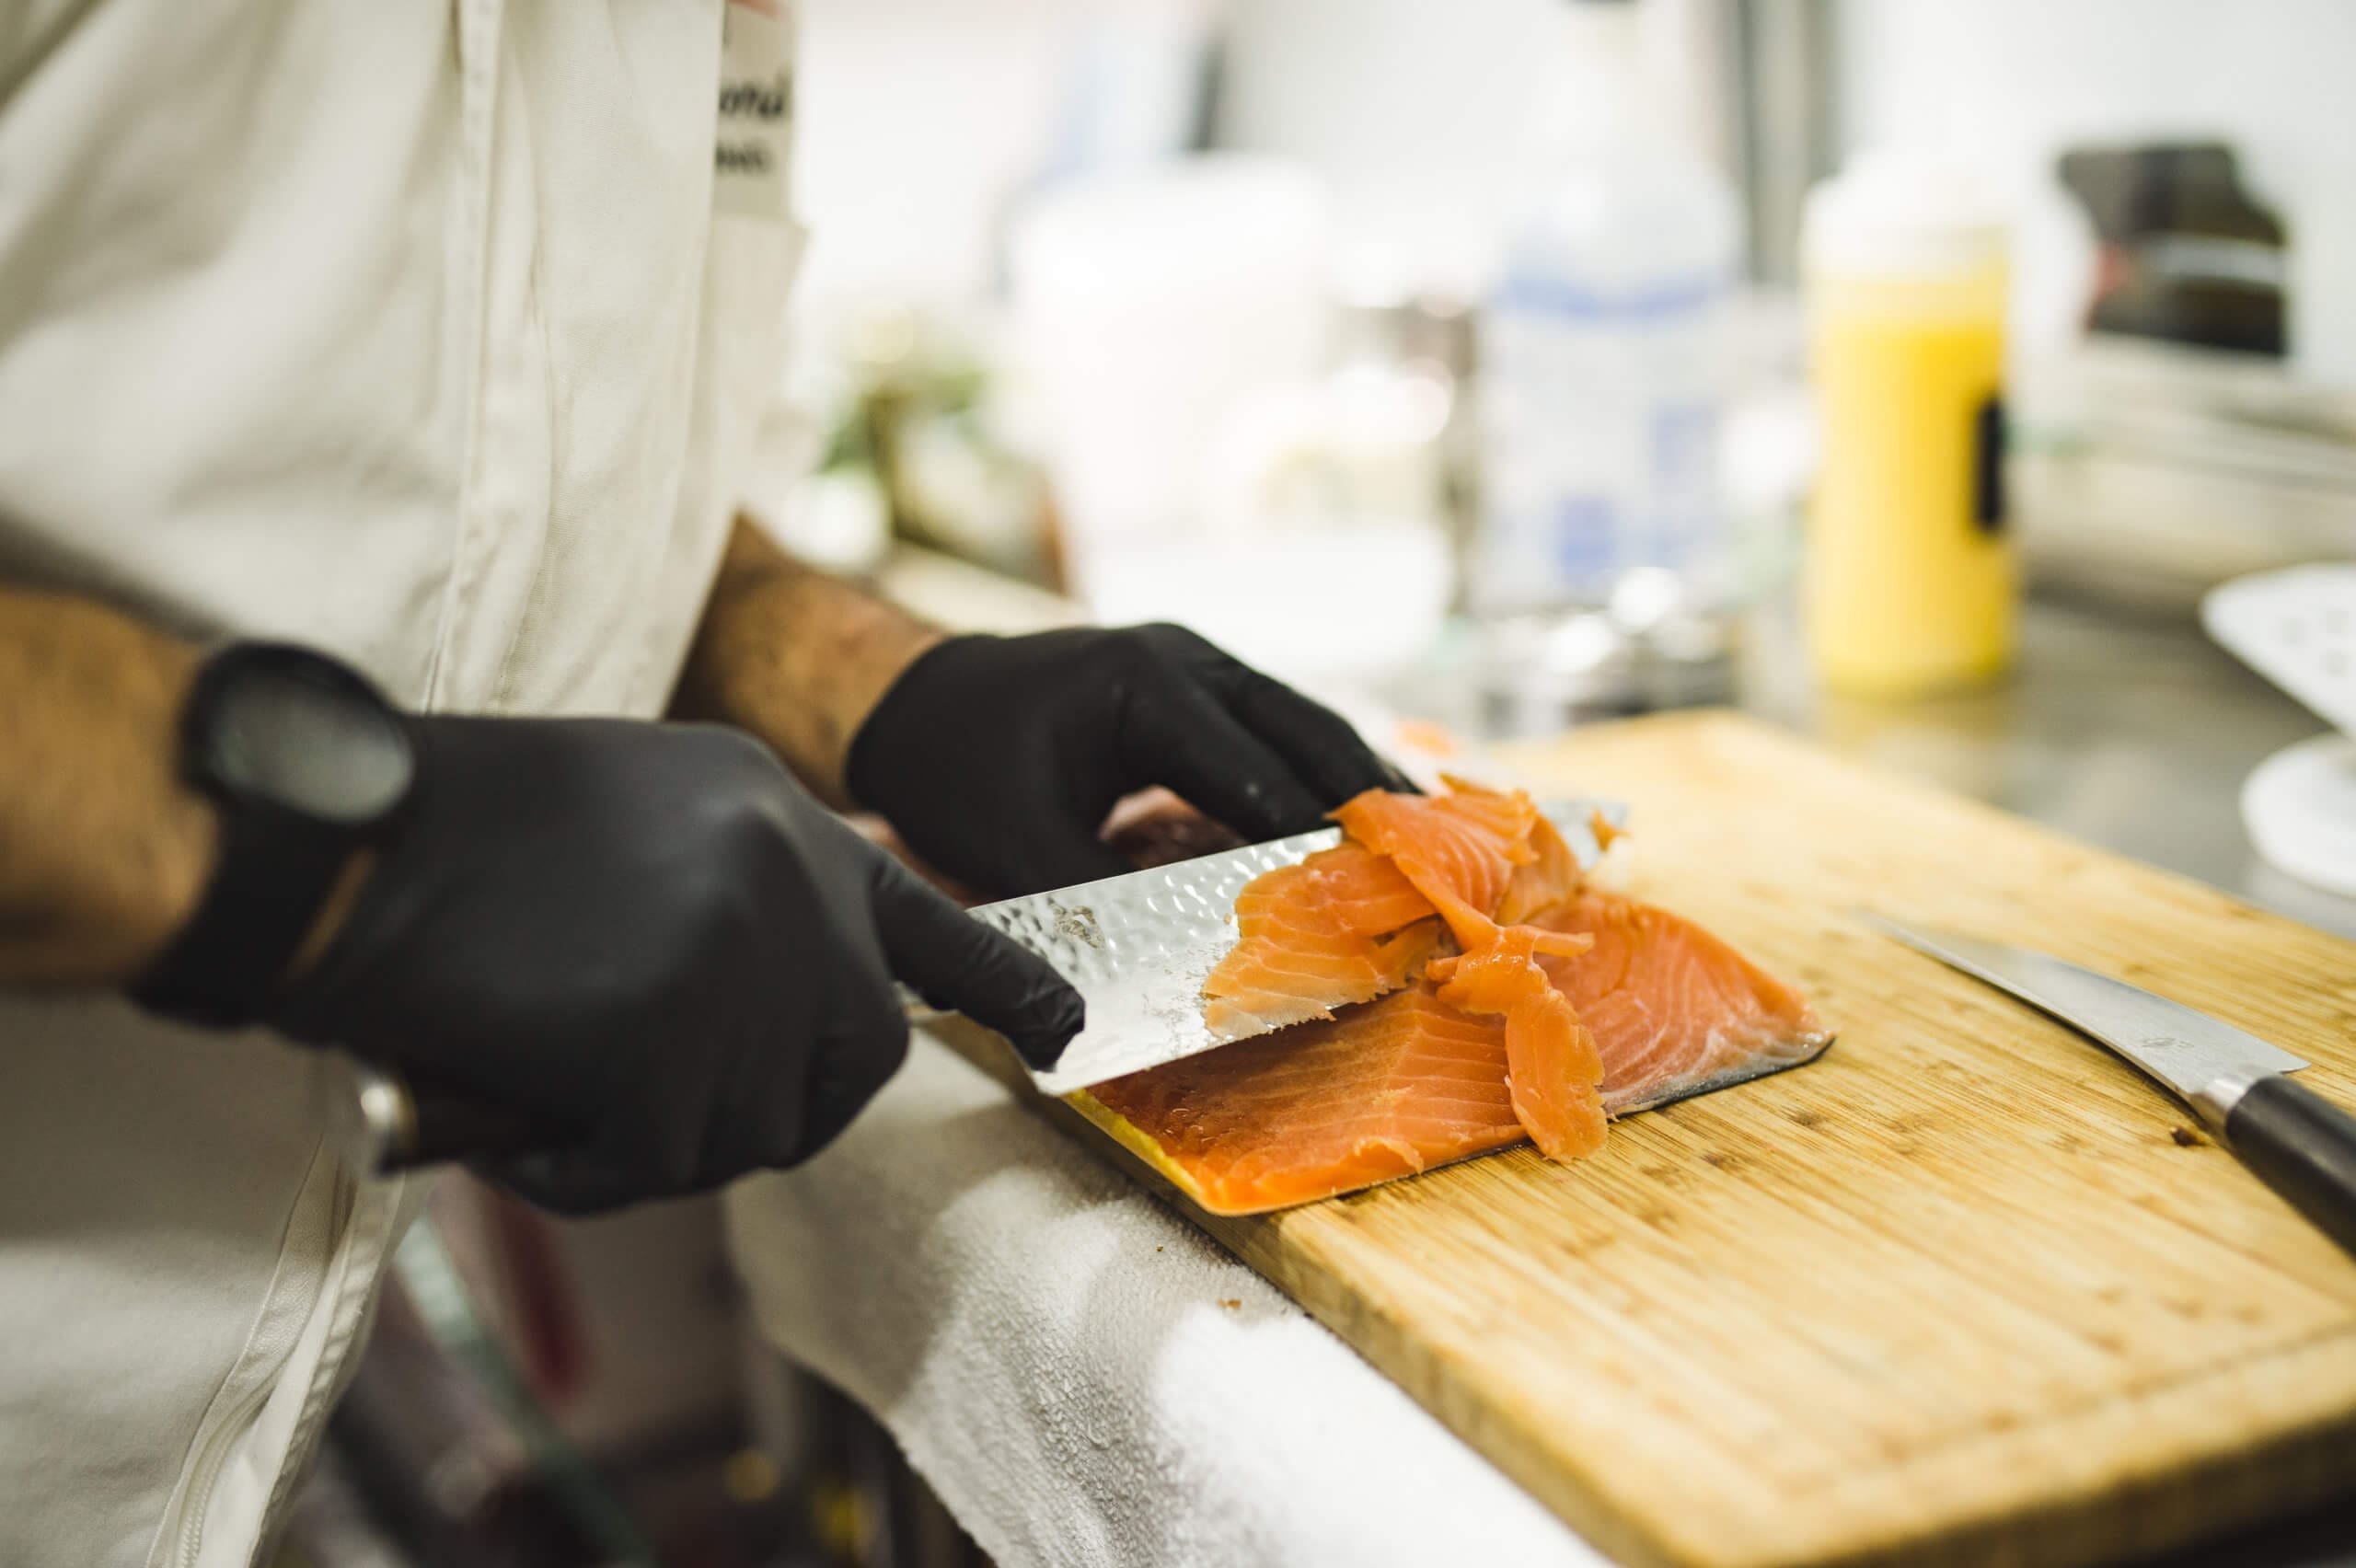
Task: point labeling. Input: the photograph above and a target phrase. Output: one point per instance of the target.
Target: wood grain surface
(1967, 1290)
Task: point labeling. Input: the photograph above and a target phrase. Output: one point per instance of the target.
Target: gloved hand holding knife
(650, 941)
(999, 758)
(652, 946)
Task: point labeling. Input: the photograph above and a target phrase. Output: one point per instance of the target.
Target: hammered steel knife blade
(2294, 1139)
(1137, 947)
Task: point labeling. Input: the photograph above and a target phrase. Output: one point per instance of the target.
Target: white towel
(1083, 1378)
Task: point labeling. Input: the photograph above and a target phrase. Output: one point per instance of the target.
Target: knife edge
(2181, 1048)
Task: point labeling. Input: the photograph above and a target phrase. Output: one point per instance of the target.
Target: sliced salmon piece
(1551, 877)
(1317, 936)
(1670, 1006)
(1309, 938)
(1552, 1067)
(1460, 850)
(1391, 1088)
(1343, 926)
(1482, 858)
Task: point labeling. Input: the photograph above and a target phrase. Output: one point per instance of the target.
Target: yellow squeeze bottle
(1908, 582)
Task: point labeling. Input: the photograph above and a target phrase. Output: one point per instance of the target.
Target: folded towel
(1083, 1378)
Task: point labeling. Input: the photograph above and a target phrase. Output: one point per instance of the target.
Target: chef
(391, 658)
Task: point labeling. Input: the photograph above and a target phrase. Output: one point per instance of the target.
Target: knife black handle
(444, 1129)
(383, 1125)
(2301, 1146)
(388, 1125)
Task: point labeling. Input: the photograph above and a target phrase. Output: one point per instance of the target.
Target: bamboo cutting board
(1965, 1290)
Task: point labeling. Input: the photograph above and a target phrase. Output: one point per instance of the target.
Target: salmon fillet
(1390, 1089)
(1531, 1007)
(1412, 1082)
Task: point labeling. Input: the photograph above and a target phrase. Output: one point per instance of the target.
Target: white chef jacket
(427, 334)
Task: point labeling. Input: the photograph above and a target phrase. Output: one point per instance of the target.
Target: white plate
(2298, 628)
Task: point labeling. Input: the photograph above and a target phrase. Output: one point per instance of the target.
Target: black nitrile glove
(649, 938)
(997, 758)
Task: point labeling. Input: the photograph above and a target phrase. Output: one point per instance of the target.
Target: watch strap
(274, 875)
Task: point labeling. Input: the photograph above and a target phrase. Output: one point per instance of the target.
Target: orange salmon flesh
(1441, 985)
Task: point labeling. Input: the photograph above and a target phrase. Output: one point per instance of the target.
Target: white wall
(913, 116)
(2009, 83)
(1414, 110)
(919, 115)
(1407, 107)
(918, 118)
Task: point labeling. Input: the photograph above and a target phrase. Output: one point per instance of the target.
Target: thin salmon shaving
(1343, 926)
(1552, 1066)
(1551, 877)
(1460, 850)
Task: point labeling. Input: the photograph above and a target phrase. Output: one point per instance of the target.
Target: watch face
(310, 740)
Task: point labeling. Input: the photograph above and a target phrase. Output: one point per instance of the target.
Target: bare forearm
(103, 852)
(795, 656)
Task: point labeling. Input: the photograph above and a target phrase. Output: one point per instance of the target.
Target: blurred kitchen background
(1908, 373)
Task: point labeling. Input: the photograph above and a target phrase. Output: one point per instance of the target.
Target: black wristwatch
(305, 762)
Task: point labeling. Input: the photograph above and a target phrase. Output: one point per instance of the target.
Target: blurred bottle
(1603, 349)
(1908, 582)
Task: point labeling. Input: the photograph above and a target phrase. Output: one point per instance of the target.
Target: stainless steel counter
(2132, 734)
(2135, 736)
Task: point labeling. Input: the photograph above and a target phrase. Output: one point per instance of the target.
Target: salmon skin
(1553, 1007)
